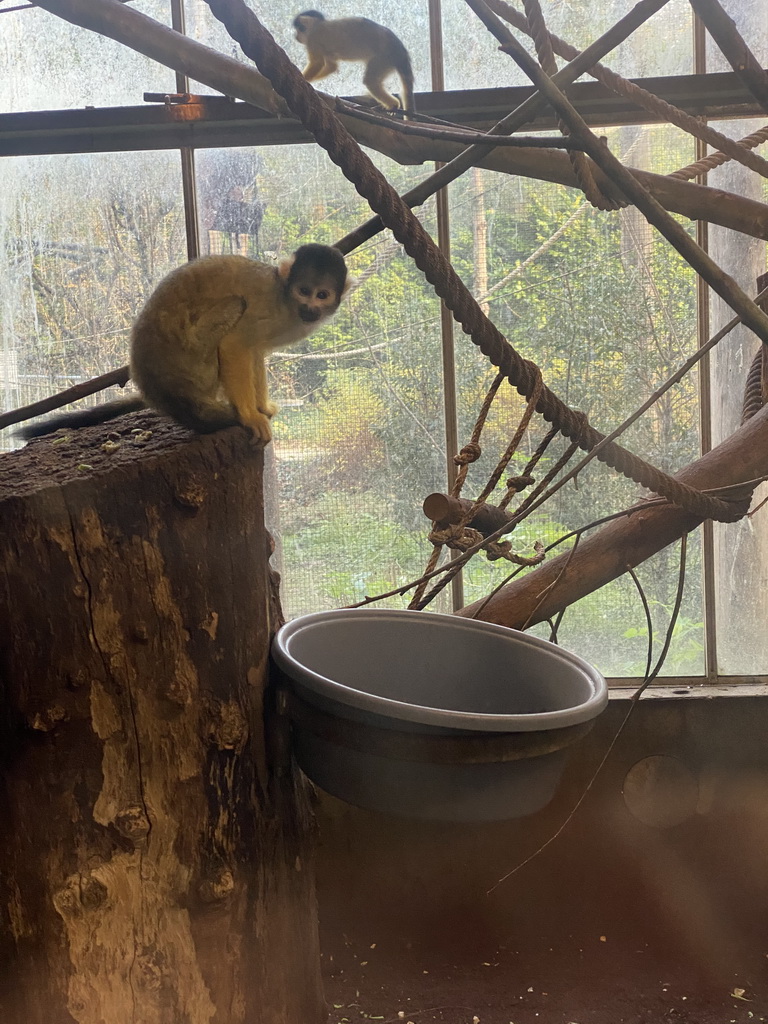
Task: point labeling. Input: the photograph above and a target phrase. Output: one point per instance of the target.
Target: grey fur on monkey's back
(175, 337)
(173, 350)
(401, 57)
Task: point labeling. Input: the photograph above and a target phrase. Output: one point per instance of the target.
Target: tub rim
(314, 682)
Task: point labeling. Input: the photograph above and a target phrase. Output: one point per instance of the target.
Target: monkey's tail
(404, 69)
(82, 418)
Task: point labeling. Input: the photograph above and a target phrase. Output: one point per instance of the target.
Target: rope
(648, 100)
(756, 386)
(258, 44)
(753, 389)
(460, 536)
(579, 161)
(472, 451)
(709, 163)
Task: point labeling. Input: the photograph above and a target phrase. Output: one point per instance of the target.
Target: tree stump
(154, 869)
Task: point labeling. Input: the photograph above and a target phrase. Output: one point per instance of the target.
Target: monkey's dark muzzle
(308, 315)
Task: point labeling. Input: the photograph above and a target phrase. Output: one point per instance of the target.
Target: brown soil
(579, 981)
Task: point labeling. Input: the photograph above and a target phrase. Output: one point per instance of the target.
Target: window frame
(219, 122)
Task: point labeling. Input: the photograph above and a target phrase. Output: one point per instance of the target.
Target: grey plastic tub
(433, 716)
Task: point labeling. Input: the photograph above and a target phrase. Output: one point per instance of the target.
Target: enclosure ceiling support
(186, 153)
(215, 121)
(723, 30)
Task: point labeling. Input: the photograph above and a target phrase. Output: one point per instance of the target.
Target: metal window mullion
(186, 153)
(446, 320)
(703, 329)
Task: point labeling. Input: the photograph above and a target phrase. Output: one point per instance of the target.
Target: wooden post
(154, 868)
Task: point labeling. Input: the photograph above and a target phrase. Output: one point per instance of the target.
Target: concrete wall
(685, 867)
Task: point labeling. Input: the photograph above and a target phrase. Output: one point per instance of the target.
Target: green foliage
(686, 654)
(347, 551)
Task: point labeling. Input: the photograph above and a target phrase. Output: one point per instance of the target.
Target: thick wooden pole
(607, 553)
(722, 28)
(154, 869)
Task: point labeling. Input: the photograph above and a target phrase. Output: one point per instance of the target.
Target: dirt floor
(589, 980)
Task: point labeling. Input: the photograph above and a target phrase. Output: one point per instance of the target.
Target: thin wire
(633, 704)
(648, 619)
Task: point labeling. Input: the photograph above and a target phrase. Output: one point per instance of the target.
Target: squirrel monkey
(198, 345)
(356, 39)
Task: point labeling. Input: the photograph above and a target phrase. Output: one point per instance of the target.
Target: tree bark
(155, 865)
(607, 553)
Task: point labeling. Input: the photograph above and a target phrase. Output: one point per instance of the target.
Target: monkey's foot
(258, 423)
(269, 409)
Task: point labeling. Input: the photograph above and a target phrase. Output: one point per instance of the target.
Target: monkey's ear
(284, 268)
(349, 284)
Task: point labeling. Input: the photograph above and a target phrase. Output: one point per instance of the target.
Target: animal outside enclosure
(626, 315)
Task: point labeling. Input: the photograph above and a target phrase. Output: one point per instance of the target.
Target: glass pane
(749, 17)
(409, 21)
(607, 309)
(741, 548)
(359, 438)
(473, 61)
(85, 239)
(50, 64)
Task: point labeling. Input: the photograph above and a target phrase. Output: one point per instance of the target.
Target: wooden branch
(126, 25)
(697, 202)
(723, 30)
(446, 510)
(133, 29)
(607, 554)
(473, 156)
(73, 394)
(455, 132)
(631, 90)
(147, 36)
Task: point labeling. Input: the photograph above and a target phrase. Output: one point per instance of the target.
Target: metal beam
(206, 122)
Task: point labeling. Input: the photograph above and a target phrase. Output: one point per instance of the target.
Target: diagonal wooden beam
(720, 282)
(723, 30)
(607, 553)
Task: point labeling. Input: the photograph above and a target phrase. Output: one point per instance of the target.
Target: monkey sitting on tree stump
(152, 870)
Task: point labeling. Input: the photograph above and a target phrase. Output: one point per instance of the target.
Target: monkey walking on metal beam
(356, 39)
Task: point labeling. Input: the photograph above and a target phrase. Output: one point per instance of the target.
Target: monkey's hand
(269, 409)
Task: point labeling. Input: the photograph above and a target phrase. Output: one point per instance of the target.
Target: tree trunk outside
(153, 868)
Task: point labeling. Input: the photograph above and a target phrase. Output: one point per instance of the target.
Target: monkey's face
(303, 24)
(314, 281)
(315, 300)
